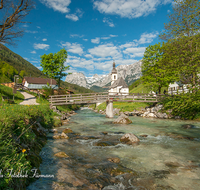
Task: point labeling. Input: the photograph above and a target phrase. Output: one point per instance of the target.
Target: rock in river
(122, 119)
(61, 155)
(129, 138)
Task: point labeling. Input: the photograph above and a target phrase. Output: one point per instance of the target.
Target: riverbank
(23, 133)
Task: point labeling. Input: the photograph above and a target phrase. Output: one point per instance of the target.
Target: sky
(94, 32)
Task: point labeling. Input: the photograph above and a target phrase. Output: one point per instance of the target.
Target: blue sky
(94, 32)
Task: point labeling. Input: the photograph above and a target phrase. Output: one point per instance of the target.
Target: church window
(114, 77)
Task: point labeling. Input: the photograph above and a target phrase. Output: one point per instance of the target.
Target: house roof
(119, 82)
(34, 80)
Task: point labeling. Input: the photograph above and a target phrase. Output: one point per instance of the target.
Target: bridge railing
(78, 98)
(100, 97)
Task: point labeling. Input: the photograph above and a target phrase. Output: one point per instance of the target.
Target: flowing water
(168, 158)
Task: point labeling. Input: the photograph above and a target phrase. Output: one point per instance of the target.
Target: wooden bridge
(94, 98)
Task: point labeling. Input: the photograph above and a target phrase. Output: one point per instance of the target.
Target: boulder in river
(122, 119)
(67, 130)
(188, 126)
(114, 160)
(61, 155)
(129, 138)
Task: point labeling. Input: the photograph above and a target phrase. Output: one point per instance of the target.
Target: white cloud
(57, 5)
(32, 32)
(41, 46)
(26, 58)
(39, 67)
(75, 16)
(80, 62)
(34, 62)
(33, 52)
(135, 51)
(129, 44)
(72, 17)
(110, 36)
(44, 39)
(128, 8)
(95, 41)
(88, 56)
(105, 38)
(85, 40)
(76, 36)
(113, 36)
(73, 48)
(147, 37)
(105, 51)
(108, 21)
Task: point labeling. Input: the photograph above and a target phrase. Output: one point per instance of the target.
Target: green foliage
(7, 72)
(155, 75)
(47, 91)
(7, 91)
(16, 134)
(183, 20)
(125, 106)
(135, 84)
(53, 65)
(18, 62)
(182, 58)
(184, 105)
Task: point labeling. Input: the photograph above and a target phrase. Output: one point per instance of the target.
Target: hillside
(18, 62)
(12, 63)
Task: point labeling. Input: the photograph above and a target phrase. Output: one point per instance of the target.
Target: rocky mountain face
(129, 73)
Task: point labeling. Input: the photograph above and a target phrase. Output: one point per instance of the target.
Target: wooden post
(133, 97)
(66, 98)
(81, 98)
(145, 97)
(51, 102)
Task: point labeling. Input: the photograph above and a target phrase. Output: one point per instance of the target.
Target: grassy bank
(21, 142)
(8, 92)
(124, 106)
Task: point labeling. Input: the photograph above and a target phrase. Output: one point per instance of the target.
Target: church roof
(119, 82)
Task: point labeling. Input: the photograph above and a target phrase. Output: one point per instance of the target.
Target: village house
(118, 85)
(35, 84)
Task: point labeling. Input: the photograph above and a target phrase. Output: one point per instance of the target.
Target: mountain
(129, 73)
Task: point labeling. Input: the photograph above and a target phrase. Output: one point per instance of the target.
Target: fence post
(81, 97)
(51, 101)
(145, 97)
(66, 98)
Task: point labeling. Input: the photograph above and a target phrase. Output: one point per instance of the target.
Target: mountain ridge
(129, 73)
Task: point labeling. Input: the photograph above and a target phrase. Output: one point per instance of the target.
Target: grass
(20, 142)
(125, 106)
(7, 91)
(140, 89)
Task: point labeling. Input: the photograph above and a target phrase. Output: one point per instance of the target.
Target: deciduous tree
(12, 13)
(155, 76)
(183, 20)
(53, 65)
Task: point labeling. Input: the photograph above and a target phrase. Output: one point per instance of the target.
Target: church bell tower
(113, 74)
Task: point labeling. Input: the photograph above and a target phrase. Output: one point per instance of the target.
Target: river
(167, 158)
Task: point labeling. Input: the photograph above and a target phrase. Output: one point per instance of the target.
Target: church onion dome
(114, 70)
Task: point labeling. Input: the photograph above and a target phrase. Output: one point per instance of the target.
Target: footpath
(28, 99)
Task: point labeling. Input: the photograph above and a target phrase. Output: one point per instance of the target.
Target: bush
(185, 105)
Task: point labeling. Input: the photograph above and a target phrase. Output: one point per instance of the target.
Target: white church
(118, 85)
